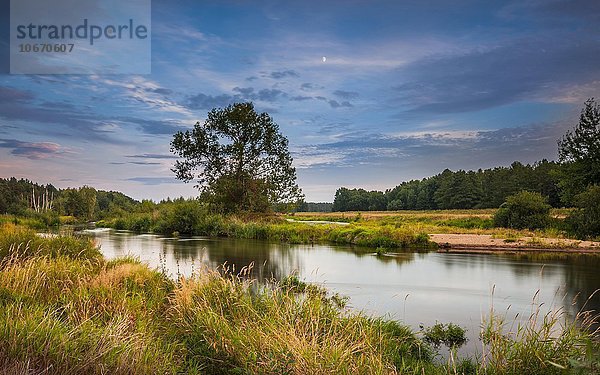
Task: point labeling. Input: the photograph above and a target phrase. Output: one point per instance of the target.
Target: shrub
(451, 335)
(524, 210)
(584, 222)
(183, 217)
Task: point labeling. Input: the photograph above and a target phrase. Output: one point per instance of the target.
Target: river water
(413, 287)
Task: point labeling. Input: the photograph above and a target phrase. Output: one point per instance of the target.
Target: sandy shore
(487, 243)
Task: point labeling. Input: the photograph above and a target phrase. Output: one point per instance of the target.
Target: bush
(584, 222)
(181, 216)
(524, 210)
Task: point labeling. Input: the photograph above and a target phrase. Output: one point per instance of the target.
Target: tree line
(457, 190)
(23, 197)
(562, 183)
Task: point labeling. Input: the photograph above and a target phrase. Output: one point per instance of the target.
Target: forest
(487, 188)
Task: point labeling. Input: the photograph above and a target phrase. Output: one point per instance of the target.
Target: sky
(369, 93)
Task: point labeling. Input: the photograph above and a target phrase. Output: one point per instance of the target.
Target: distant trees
(25, 198)
(359, 200)
(457, 190)
(314, 207)
(18, 196)
(239, 158)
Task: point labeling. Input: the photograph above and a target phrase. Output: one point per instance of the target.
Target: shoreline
(487, 244)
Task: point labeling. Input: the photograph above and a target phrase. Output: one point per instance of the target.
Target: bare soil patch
(487, 243)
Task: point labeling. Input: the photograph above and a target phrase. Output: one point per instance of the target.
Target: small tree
(584, 222)
(579, 151)
(523, 210)
(242, 160)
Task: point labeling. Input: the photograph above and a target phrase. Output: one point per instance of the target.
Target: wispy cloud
(152, 156)
(34, 150)
(526, 69)
(284, 74)
(154, 180)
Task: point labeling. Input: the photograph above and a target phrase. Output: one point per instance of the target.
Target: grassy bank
(68, 311)
(444, 222)
(191, 219)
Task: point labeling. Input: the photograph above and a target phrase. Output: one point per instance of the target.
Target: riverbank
(468, 231)
(486, 243)
(196, 222)
(67, 310)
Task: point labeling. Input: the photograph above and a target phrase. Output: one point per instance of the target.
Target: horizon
(369, 94)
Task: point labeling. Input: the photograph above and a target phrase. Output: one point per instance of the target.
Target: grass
(16, 239)
(544, 343)
(369, 234)
(476, 221)
(61, 314)
(67, 311)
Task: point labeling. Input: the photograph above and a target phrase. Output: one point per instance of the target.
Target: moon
(324, 58)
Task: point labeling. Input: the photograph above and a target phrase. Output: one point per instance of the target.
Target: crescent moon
(324, 58)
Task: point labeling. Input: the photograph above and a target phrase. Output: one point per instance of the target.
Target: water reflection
(413, 287)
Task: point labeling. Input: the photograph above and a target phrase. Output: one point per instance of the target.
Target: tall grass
(66, 314)
(543, 343)
(229, 327)
(16, 239)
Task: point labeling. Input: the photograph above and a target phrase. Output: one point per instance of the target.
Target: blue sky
(407, 89)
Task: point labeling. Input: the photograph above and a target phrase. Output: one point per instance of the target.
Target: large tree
(239, 158)
(579, 151)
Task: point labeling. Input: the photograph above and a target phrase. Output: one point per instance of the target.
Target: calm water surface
(416, 288)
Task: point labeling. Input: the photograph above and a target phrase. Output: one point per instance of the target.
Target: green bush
(183, 216)
(584, 222)
(524, 210)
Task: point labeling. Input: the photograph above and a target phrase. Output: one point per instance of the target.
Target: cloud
(336, 104)
(345, 94)
(152, 156)
(535, 69)
(269, 95)
(553, 11)
(154, 180)
(33, 150)
(283, 74)
(458, 149)
(144, 163)
(12, 95)
(245, 91)
(159, 90)
(203, 101)
(310, 86)
(148, 92)
(300, 98)
(21, 105)
(154, 127)
(265, 95)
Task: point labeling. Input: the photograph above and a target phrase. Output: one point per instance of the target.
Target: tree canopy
(239, 158)
(487, 188)
(579, 151)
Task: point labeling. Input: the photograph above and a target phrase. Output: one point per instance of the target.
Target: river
(413, 287)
